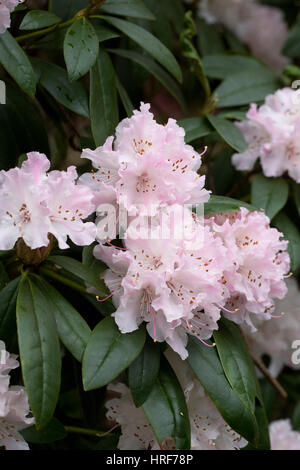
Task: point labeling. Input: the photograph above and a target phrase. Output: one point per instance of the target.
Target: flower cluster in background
(35, 203)
(272, 135)
(14, 408)
(262, 28)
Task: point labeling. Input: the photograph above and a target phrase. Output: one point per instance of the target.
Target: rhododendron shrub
(149, 225)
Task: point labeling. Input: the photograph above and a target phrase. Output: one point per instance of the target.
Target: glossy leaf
(269, 194)
(166, 409)
(16, 63)
(132, 8)
(236, 362)
(39, 351)
(208, 369)
(81, 47)
(8, 326)
(36, 19)
(54, 431)
(222, 204)
(109, 352)
(72, 329)
(149, 42)
(229, 132)
(143, 371)
(225, 65)
(195, 128)
(103, 99)
(67, 8)
(55, 80)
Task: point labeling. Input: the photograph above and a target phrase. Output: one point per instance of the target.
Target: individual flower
(174, 286)
(259, 263)
(6, 8)
(275, 337)
(14, 407)
(272, 134)
(208, 429)
(283, 437)
(262, 28)
(35, 203)
(148, 165)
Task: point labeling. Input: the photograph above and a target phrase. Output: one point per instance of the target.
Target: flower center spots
(23, 216)
(144, 184)
(141, 146)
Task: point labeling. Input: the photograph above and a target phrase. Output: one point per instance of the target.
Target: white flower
(6, 8)
(283, 437)
(14, 407)
(275, 337)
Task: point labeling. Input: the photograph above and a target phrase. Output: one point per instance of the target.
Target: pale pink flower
(283, 437)
(14, 407)
(262, 28)
(35, 203)
(147, 166)
(275, 337)
(69, 205)
(272, 134)
(174, 286)
(6, 8)
(208, 429)
(259, 263)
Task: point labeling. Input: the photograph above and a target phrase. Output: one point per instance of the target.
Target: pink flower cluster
(131, 172)
(272, 134)
(262, 28)
(179, 284)
(36, 203)
(14, 408)
(6, 8)
(283, 437)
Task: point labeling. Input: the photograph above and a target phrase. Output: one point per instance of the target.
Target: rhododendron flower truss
(259, 263)
(283, 437)
(147, 166)
(6, 8)
(177, 289)
(14, 408)
(272, 135)
(35, 203)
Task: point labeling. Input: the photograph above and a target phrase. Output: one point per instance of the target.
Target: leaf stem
(89, 432)
(68, 282)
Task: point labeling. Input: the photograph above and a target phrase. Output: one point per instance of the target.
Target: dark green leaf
(72, 329)
(4, 279)
(152, 67)
(222, 204)
(8, 311)
(103, 99)
(143, 372)
(269, 194)
(208, 369)
(291, 47)
(149, 42)
(296, 192)
(39, 351)
(67, 8)
(209, 38)
(103, 31)
(36, 19)
(245, 87)
(236, 361)
(296, 418)
(109, 352)
(225, 65)
(55, 80)
(263, 441)
(229, 131)
(126, 101)
(133, 8)
(81, 47)
(290, 233)
(195, 128)
(54, 431)
(16, 63)
(166, 409)
(89, 274)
